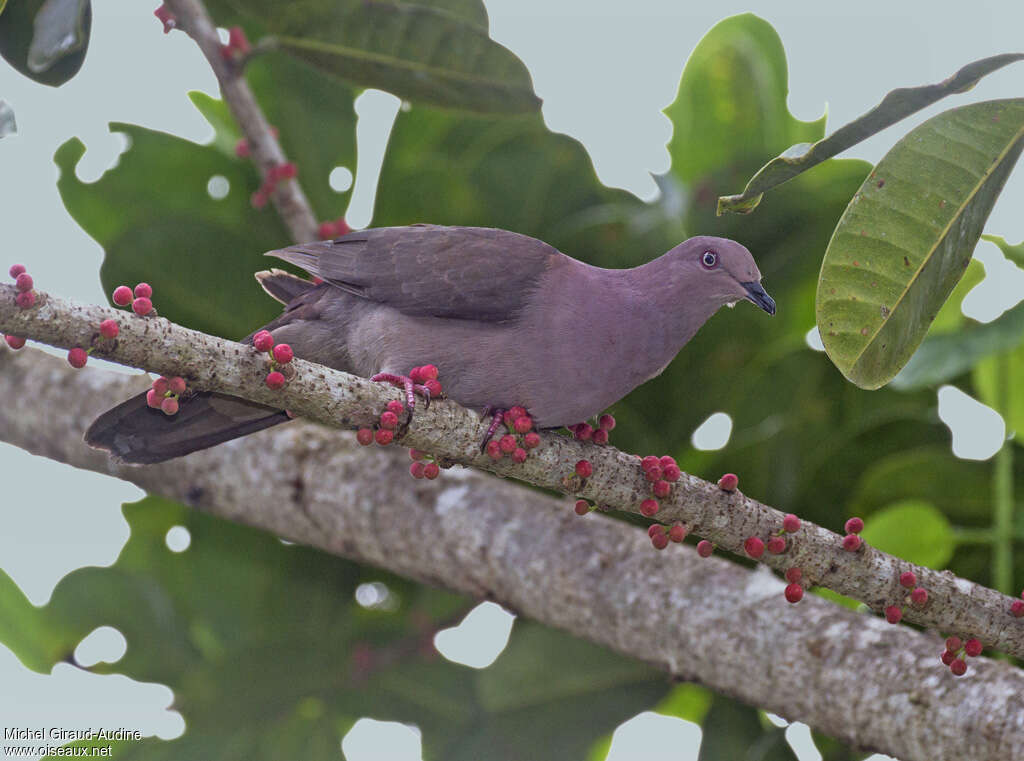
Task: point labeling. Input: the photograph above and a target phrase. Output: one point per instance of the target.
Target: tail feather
(284, 286)
(134, 432)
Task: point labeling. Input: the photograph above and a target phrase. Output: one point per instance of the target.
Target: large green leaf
(895, 106)
(46, 40)
(439, 54)
(735, 731)
(913, 530)
(986, 381)
(908, 234)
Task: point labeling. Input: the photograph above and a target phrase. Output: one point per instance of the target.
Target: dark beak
(760, 296)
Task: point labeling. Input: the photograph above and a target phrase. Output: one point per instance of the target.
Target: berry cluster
(280, 356)
(274, 175)
(795, 589)
(141, 298)
(238, 45)
(166, 18)
(426, 376)
(1016, 607)
(957, 652)
(420, 469)
(661, 535)
(164, 394)
(335, 229)
(660, 473)
(77, 357)
(26, 297)
(852, 541)
(587, 432)
(520, 437)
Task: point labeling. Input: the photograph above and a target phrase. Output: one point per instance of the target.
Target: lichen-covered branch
(288, 198)
(954, 605)
(872, 685)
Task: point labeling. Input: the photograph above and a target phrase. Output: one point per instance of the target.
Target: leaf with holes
(1014, 253)
(908, 234)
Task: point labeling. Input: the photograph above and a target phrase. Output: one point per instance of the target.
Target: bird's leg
(497, 413)
(411, 389)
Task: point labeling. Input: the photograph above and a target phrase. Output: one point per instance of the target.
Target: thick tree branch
(875, 686)
(288, 198)
(955, 605)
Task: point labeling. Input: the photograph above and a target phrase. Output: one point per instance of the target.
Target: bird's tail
(134, 432)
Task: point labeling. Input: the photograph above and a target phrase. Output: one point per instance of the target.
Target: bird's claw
(496, 414)
(410, 387)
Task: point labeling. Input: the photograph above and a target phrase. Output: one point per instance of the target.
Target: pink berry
(649, 462)
(431, 471)
(389, 420)
(433, 387)
(341, 227)
(531, 440)
(429, 372)
(677, 533)
(122, 296)
(583, 432)
(790, 524)
(958, 667)
(794, 575)
(169, 406)
(523, 424)
(584, 469)
(383, 436)
(893, 614)
(649, 507)
(415, 375)
(948, 657)
(655, 528)
(263, 341)
(1017, 608)
(416, 469)
(851, 542)
(854, 526)
(25, 299)
(275, 380)
(519, 455)
(283, 353)
(494, 450)
(161, 386)
(143, 290)
(259, 199)
(142, 306)
(166, 18)
(285, 171)
(754, 547)
(153, 399)
(660, 541)
(364, 436)
(953, 644)
(908, 579)
(415, 454)
(242, 151)
(665, 460)
(705, 548)
(728, 482)
(599, 437)
(77, 357)
(582, 507)
(109, 329)
(15, 270)
(973, 647)
(653, 473)
(395, 406)
(15, 342)
(23, 282)
(794, 593)
(507, 443)
(606, 422)
(671, 472)
(661, 489)
(919, 596)
(176, 385)
(237, 40)
(776, 545)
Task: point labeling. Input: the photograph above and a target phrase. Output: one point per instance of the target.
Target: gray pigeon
(507, 319)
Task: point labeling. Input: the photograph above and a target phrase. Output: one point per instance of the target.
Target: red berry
(429, 372)
(599, 437)
(519, 455)
(23, 282)
(433, 387)
(794, 575)
(1017, 608)
(649, 462)
(919, 596)
(176, 385)
(958, 667)
(953, 644)
(677, 533)
(705, 548)
(383, 436)
(494, 450)
(142, 306)
(973, 647)
(242, 151)
(754, 547)
(523, 424)
(161, 386)
(364, 436)
(665, 460)
(660, 541)
(109, 329)
(415, 375)
(893, 614)
(25, 299)
(776, 545)
(655, 528)
(584, 469)
(259, 199)
(416, 469)
(341, 227)
(583, 432)
(671, 472)
(77, 357)
(507, 443)
(908, 579)
(169, 406)
(122, 296)
(166, 18)
(15, 270)
(15, 342)
(790, 524)
(531, 440)
(285, 171)
(947, 657)
(263, 341)
(396, 406)
(153, 399)
(728, 482)
(854, 526)
(794, 593)
(416, 454)
(283, 353)
(275, 380)
(653, 473)
(606, 422)
(661, 489)
(431, 470)
(851, 542)
(143, 290)
(237, 40)
(582, 507)
(649, 507)
(389, 420)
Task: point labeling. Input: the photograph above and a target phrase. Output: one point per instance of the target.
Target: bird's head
(721, 271)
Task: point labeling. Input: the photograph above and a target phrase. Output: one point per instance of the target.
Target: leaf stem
(1002, 488)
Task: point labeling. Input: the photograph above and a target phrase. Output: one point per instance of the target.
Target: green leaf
(984, 379)
(908, 234)
(439, 55)
(8, 125)
(1014, 253)
(735, 731)
(951, 317)
(46, 40)
(896, 105)
(686, 701)
(913, 530)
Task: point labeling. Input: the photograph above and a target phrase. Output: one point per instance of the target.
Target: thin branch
(954, 605)
(869, 684)
(288, 198)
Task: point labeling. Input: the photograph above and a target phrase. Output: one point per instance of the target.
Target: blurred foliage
(46, 40)
(267, 652)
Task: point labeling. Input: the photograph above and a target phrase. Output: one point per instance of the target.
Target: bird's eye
(709, 259)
